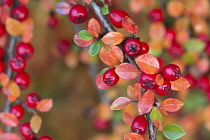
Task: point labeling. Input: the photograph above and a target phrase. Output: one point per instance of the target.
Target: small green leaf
(173, 131)
(194, 45)
(155, 52)
(85, 35)
(94, 48)
(102, 1)
(104, 70)
(105, 9)
(155, 114)
(189, 57)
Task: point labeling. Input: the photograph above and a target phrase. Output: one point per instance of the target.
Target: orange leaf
(128, 118)
(127, 71)
(111, 57)
(158, 124)
(9, 136)
(44, 105)
(35, 123)
(146, 102)
(130, 91)
(159, 79)
(120, 103)
(94, 27)
(172, 105)
(9, 119)
(12, 90)
(14, 27)
(113, 38)
(129, 25)
(135, 6)
(4, 79)
(87, 1)
(132, 136)
(137, 89)
(24, 2)
(100, 83)
(28, 26)
(82, 43)
(148, 63)
(180, 84)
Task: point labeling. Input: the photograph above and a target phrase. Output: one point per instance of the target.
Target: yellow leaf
(35, 123)
(14, 27)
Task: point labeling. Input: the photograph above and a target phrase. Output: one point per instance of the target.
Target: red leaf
(129, 25)
(4, 13)
(9, 119)
(148, 63)
(120, 103)
(172, 105)
(128, 118)
(127, 71)
(45, 105)
(132, 136)
(113, 38)
(146, 102)
(111, 57)
(94, 27)
(82, 43)
(9, 136)
(180, 84)
(100, 83)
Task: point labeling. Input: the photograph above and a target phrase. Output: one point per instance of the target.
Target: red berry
(2, 30)
(133, 47)
(147, 81)
(63, 46)
(2, 66)
(191, 80)
(52, 22)
(25, 50)
(207, 49)
(25, 131)
(1, 52)
(100, 124)
(18, 111)
(45, 138)
(78, 14)
(204, 82)
(110, 77)
(175, 50)
(171, 72)
(163, 89)
(17, 64)
(32, 100)
(161, 62)
(139, 125)
(116, 17)
(203, 37)
(20, 13)
(6, 2)
(22, 79)
(170, 34)
(155, 15)
(145, 48)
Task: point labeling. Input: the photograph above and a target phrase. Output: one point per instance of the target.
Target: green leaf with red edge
(9, 119)
(62, 8)
(132, 136)
(111, 57)
(129, 25)
(146, 102)
(45, 105)
(82, 43)
(120, 103)
(127, 71)
(94, 27)
(35, 123)
(9, 136)
(113, 38)
(128, 118)
(156, 118)
(100, 83)
(172, 105)
(148, 63)
(180, 84)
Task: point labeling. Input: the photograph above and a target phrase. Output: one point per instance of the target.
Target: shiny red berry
(133, 47)
(100, 124)
(18, 111)
(45, 138)
(171, 72)
(170, 34)
(110, 77)
(20, 13)
(147, 81)
(191, 80)
(17, 64)
(22, 79)
(63, 46)
(32, 100)
(1, 52)
(163, 89)
(78, 14)
(116, 17)
(175, 50)
(2, 30)
(155, 15)
(139, 125)
(2, 67)
(25, 50)
(145, 48)
(25, 131)
(204, 82)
